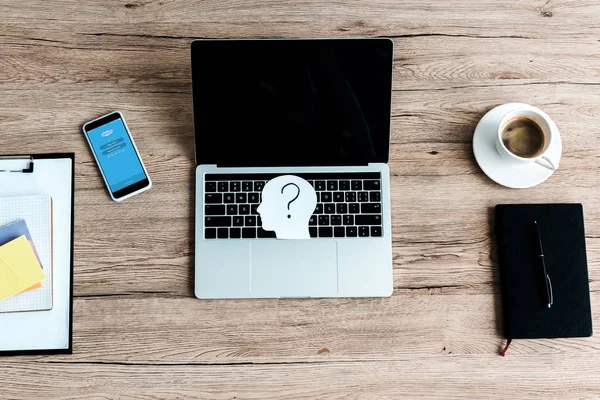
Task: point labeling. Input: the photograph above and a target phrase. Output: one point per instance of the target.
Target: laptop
(292, 140)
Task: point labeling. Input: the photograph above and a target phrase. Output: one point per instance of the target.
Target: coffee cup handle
(546, 162)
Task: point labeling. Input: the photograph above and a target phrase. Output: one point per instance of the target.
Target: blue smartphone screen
(116, 155)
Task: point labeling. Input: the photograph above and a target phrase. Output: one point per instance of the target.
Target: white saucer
(512, 175)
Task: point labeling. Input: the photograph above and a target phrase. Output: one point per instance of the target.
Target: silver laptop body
(263, 109)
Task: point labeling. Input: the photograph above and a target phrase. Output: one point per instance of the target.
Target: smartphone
(120, 163)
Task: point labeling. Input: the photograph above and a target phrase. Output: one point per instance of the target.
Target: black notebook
(526, 291)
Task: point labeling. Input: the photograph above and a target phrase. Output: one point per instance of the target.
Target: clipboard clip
(22, 164)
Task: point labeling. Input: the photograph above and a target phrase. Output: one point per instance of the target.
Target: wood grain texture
(138, 331)
(444, 377)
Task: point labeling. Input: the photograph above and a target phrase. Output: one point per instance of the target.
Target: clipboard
(50, 331)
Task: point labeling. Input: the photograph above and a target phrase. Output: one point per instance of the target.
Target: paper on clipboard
(49, 330)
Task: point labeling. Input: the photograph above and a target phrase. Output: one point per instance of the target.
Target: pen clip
(550, 288)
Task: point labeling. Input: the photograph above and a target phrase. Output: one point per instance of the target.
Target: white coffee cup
(543, 121)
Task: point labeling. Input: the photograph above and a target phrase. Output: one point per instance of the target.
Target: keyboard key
(244, 209)
(313, 232)
(325, 197)
(318, 197)
(250, 221)
(258, 221)
(348, 219)
(354, 208)
(329, 208)
(259, 185)
(232, 209)
(332, 185)
(217, 221)
(338, 197)
(312, 220)
(336, 220)
(210, 186)
(341, 208)
(222, 233)
(351, 231)
(375, 231)
(241, 198)
(339, 231)
(367, 219)
(323, 219)
(261, 233)
(320, 185)
(363, 231)
(228, 198)
(356, 185)
(319, 209)
(248, 233)
(247, 186)
(325, 231)
(210, 233)
(370, 208)
(223, 186)
(253, 198)
(238, 221)
(363, 196)
(214, 209)
(344, 185)
(213, 198)
(235, 233)
(312, 183)
(375, 197)
(371, 185)
(254, 209)
(350, 197)
(235, 186)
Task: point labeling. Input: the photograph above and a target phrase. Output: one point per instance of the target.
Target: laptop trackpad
(293, 268)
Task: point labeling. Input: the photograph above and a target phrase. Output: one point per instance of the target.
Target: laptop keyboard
(348, 205)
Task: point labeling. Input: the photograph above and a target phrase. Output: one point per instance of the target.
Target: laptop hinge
(294, 165)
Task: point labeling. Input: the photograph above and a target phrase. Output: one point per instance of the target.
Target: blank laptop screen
(292, 102)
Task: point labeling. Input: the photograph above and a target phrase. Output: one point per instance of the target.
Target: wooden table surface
(138, 331)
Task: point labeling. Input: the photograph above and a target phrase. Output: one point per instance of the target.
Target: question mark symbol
(292, 200)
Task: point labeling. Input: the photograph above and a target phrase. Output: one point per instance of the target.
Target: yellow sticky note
(19, 267)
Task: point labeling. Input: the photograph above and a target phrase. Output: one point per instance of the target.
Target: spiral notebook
(36, 211)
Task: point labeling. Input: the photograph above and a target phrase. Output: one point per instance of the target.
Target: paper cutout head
(286, 206)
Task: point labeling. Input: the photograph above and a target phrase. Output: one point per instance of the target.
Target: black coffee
(523, 137)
